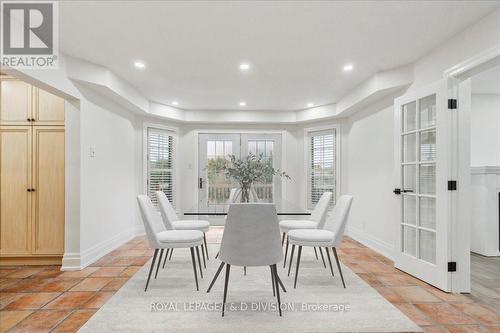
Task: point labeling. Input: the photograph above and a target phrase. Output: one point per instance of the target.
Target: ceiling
(487, 82)
(296, 50)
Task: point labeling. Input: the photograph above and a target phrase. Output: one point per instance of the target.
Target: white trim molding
(77, 261)
(384, 248)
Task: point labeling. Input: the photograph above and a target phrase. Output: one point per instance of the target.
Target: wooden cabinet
(23, 104)
(16, 99)
(15, 180)
(48, 197)
(49, 108)
(32, 189)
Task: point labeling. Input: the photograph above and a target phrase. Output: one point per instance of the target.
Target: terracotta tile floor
(44, 299)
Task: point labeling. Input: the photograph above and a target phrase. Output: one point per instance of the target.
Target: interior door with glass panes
(213, 186)
(422, 153)
(269, 147)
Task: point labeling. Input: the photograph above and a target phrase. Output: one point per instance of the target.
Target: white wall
(369, 176)
(108, 180)
(485, 130)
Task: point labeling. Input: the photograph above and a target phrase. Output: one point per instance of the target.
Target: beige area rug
(319, 304)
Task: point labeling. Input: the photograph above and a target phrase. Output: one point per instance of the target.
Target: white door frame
(237, 131)
(458, 77)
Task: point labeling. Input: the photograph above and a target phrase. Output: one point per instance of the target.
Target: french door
(422, 158)
(214, 150)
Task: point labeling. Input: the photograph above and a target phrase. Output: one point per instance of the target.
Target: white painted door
(214, 150)
(422, 163)
(213, 186)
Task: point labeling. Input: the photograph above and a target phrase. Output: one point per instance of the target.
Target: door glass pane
(409, 116)
(427, 246)
(428, 146)
(410, 178)
(409, 148)
(409, 240)
(427, 212)
(409, 209)
(427, 179)
(262, 191)
(427, 109)
(218, 185)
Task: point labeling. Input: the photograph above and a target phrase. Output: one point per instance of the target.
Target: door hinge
(452, 266)
(452, 103)
(452, 185)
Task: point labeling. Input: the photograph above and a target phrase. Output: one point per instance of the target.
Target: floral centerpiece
(251, 169)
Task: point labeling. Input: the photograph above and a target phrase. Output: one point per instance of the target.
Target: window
(160, 163)
(322, 165)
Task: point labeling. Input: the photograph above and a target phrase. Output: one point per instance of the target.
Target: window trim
(307, 159)
(174, 132)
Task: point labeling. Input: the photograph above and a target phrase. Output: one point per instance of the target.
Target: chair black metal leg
(272, 280)
(316, 253)
(286, 252)
(297, 267)
(170, 257)
(215, 277)
(276, 279)
(194, 268)
(244, 270)
(329, 260)
(151, 268)
(206, 247)
(283, 239)
(280, 282)
(322, 258)
(338, 265)
(228, 268)
(217, 255)
(199, 261)
(165, 260)
(159, 262)
(203, 255)
(291, 259)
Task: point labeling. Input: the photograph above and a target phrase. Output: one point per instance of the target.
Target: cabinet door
(49, 108)
(15, 180)
(15, 102)
(48, 182)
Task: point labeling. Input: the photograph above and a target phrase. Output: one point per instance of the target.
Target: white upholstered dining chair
(330, 237)
(315, 221)
(251, 238)
(160, 238)
(172, 222)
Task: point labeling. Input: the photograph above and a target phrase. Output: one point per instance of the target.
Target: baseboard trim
(384, 248)
(77, 261)
(71, 261)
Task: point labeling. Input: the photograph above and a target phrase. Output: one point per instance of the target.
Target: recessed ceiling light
(243, 103)
(348, 68)
(310, 105)
(139, 64)
(175, 103)
(244, 67)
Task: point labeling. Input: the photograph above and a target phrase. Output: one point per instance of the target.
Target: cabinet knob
(29, 190)
(29, 119)
(32, 119)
